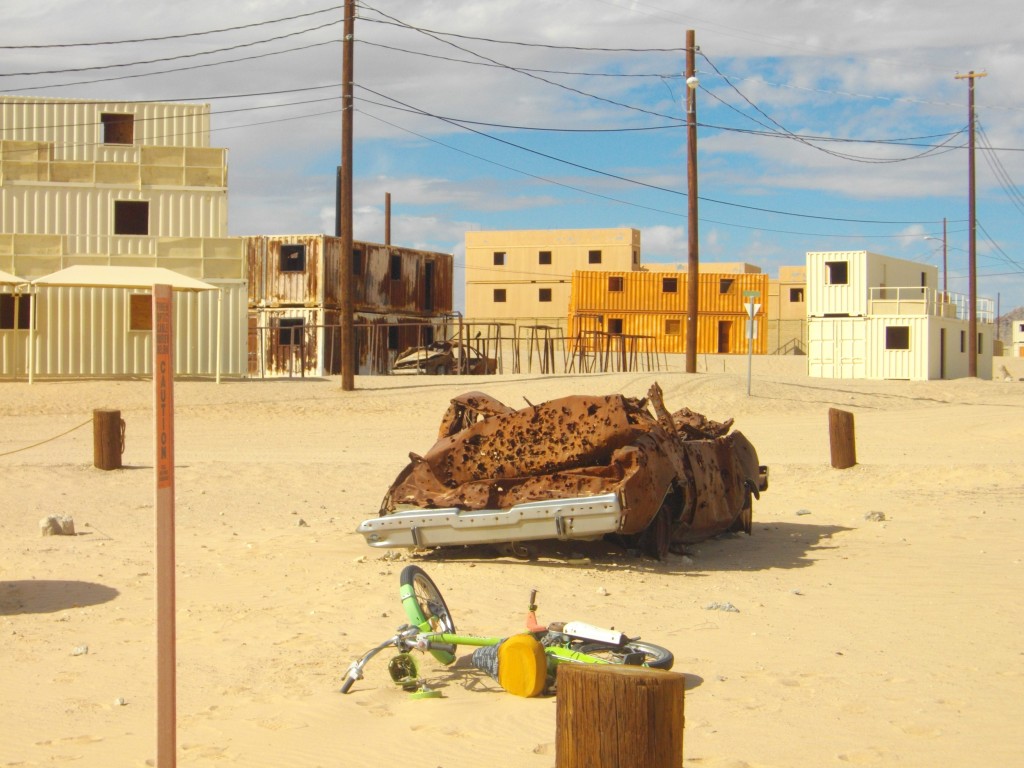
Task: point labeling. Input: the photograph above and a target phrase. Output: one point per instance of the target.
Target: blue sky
(823, 125)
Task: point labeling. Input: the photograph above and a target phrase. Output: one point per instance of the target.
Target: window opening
(669, 284)
(293, 257)
(118, 128)
(725, 284)
(290, 331)
(837, 272)
(615, 284)
(396, 267)
(131, 217)
(544, 294)
(897, 337)
(499, 295)
(357, 261)
(796, 295)
(499, 258)
(614, 325)
(594, 257)
(673, 327)
(544, 257)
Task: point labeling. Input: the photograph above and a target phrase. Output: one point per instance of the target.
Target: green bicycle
(524, 664)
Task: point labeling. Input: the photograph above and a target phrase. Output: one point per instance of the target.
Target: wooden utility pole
(348, 351)
(387, 218)
(692, 271)
(972, 285)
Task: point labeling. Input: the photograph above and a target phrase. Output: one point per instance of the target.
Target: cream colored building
(526, 275)
(876, 317)
(116, 185)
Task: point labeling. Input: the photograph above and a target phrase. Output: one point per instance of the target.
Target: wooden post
(106, 439)
(841, 438)
(610, 716)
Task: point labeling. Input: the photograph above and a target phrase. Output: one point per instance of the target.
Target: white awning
(6, 278)
(122, 277)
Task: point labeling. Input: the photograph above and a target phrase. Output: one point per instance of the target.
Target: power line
(181, 36)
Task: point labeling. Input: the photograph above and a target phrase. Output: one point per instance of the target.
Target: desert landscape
(873, 618)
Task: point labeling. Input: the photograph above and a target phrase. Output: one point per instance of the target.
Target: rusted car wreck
(578, 467)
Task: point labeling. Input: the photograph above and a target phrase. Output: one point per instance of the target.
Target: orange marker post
(163, 408)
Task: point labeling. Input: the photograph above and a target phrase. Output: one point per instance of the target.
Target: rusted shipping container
(653, 305)
(305, 271)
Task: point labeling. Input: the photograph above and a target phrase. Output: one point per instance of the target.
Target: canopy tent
(95, 276)
(6, 278)
(100, 276)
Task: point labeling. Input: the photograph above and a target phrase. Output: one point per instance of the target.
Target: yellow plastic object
(522, 667)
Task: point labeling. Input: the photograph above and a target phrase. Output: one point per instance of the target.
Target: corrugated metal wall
(76, 130)
(836, 347)
(646, 305)
(825, 298)
(85, 215)
(84, 331)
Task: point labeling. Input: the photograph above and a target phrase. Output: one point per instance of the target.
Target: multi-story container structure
(525, 276)
(115, 185)
(787, 312)
(651, 305)
(402, 298)
(876, 317)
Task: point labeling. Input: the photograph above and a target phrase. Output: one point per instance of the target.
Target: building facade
(787, 312)
(876, 317)
(651, 307)
(401, 297)
(116, 185)
(526, 275)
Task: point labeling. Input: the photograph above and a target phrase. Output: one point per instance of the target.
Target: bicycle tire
(425, 607)
(655, 656)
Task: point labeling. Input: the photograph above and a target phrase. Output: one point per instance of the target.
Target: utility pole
(348, 350)
(972, 286)
(692, 262)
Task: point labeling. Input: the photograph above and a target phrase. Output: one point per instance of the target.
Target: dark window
(670, 285)
(837, 272)
(131, 217)
(673, 327)
(924, 280)
(118, 128)
(499, 294)
(396, 267)
(897, 337)
(499, 258)
(293, 257)
(393, 337)
(796, 295)
(544, 257)
(290, 331)
(594, 257)
(140, 312)
(614, 325)
(615, 284)
(636, 257)
(978, 350)
(357, 261)
(544, 294)
(8, 322)
(725, 284)
(963, 341)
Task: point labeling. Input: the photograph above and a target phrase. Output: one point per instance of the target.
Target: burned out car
(579, 467)
(444, 357)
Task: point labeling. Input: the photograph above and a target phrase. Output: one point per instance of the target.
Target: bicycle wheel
(633, 652)
(424, 606)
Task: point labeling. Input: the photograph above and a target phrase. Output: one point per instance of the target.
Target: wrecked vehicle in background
(578, 467)
(444, 357)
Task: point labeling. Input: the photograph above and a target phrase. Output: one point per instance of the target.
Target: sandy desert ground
(879, 613)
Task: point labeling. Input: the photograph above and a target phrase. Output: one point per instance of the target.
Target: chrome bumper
(575, 518)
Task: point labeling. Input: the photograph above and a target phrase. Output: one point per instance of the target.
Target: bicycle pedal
(634, 659)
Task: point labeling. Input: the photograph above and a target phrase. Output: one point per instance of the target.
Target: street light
(929, 237)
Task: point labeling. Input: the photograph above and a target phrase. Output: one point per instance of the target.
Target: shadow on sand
(50, 596)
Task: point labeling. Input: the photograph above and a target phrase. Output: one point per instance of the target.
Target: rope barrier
(50, 439)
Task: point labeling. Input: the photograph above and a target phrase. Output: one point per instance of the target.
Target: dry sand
(879, 613)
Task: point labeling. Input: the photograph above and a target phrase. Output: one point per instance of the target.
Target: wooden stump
(106, 439)
(841, 438)
(611, 716)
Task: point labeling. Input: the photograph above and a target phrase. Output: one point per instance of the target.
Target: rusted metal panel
(679, 477)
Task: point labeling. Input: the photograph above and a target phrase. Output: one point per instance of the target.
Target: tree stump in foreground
(611, 716)
(106, 439)
(841, 438)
